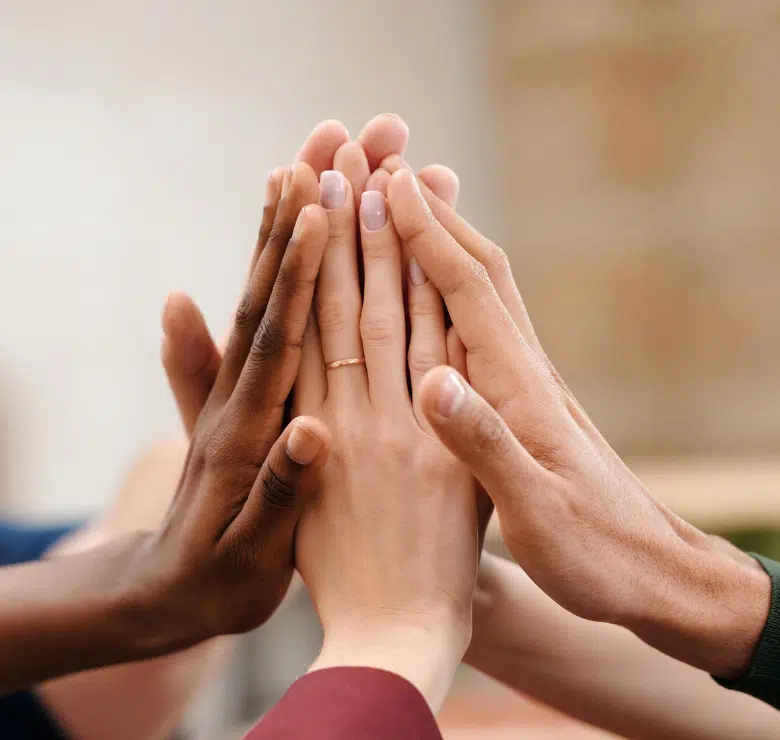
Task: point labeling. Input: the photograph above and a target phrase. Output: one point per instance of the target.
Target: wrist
(710, 611)
(426, 654)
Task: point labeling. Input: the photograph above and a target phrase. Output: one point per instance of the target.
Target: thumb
(190, 358)
(287, 480)
(470, 428)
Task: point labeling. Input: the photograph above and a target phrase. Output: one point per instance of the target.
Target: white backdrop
(135, 138)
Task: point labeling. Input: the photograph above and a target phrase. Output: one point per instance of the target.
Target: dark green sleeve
(762, 679)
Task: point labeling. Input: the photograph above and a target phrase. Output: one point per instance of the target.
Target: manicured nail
(302, 445)
(287, 180)
(300, 224)
(451, 395)
(416, 274)
(333, 189)
(373, 210)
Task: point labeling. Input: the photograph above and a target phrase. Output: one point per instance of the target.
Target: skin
(422, 650)
(94, 704)
(576, 519)
(222, 559)
(396, 594)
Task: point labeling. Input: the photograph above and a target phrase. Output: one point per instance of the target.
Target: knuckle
(378, 330)
(272, 337)
(498, 261)
(276, 490)
(246, 312)
(473, 279)
(332, 314)
(421, 306)
(422, 361)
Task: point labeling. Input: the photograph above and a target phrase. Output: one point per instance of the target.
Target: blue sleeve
(22, 716)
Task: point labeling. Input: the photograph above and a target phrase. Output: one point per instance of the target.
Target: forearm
(74, 613)
(141, 699)
(597, 672)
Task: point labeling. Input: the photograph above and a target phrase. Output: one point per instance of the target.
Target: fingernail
(416, 274)
(373, 210)
(451, 395)
(333, 189)
(302, 445)
(287, 180)
(300, 224)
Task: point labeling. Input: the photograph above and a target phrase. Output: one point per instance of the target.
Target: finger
(382, 322)
(442, 182)
(190, 358)
(378, 180)
(472, 430)
(321, 145)
(273, 194)
(274, 358)
(488, 254)
(481, 319)
(456, 353)
(382, 136)
(311, 385)
(428, 341)
(267, 521)
(338, 290)
(298, 190)
(351, 161)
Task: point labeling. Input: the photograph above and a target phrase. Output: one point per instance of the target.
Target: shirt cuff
(762, 678)
(355, 703)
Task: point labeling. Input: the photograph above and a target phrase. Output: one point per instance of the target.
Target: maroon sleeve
(354, 703)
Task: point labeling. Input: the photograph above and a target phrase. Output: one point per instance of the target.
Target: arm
(576, 519)
(599, 673)
(94, 704)
(222, 559)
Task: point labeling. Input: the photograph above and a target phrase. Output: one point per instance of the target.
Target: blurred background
(625, 153)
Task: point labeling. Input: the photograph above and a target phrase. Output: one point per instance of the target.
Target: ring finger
(338, 290)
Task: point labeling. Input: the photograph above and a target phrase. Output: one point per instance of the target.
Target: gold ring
(344, 363)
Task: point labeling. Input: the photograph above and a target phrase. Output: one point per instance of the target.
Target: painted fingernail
(451, 395)
(302, 445)
(373, 210)
(300, 224)
(287, 180)
(333, 189)
(416, 274)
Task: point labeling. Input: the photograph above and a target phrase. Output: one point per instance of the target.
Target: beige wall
(134, 142)
(643, 172)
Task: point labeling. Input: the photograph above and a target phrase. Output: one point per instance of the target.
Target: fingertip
(321, 145)
(384, 135)
(442, 181)
(175, 308)
(442, 393)
(308, 440)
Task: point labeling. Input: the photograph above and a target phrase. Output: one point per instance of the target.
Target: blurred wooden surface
(642, 181)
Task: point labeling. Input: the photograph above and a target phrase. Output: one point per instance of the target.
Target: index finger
(474, 306)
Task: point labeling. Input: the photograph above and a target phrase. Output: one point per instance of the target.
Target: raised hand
(388, 546)
(574, 516)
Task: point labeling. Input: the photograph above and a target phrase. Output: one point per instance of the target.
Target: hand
(221, 561)
(190, 355)
(573, 515)
(388, 547)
